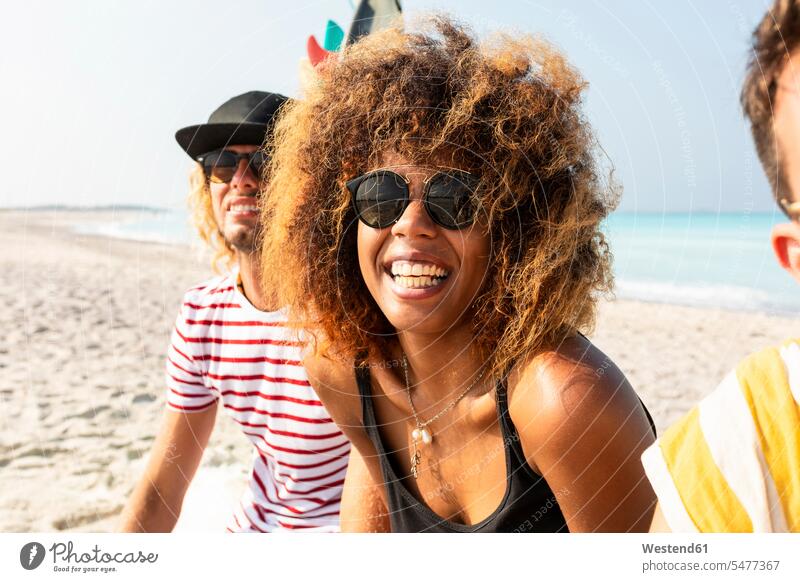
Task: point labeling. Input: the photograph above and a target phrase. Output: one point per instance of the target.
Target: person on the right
(732, 464)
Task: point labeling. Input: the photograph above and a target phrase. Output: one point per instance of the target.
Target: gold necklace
(421, 433)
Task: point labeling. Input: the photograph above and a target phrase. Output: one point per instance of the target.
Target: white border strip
(668, 497)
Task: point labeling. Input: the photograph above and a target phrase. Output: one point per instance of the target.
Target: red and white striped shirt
(225, 349)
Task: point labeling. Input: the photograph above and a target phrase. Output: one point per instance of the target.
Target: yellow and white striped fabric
(732, 464)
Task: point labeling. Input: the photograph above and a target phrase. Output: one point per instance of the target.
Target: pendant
(415, 461)
(419, 434)
(422, 434)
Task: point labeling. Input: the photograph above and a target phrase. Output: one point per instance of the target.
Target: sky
(93, 91)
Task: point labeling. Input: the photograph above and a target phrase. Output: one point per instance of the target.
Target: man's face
(787, 123)
(235, 204)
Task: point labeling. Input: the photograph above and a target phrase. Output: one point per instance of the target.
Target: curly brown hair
(775, 38)
(507, 110)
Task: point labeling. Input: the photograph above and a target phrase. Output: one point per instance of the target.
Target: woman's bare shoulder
(329, 374)
(574, 382)
(582, 426)
(334, 382)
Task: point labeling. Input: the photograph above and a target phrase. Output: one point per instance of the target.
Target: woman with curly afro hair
(433, 223)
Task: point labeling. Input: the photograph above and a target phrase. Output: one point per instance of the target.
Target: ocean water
(721, 260)
(171, 227)
(703, 259)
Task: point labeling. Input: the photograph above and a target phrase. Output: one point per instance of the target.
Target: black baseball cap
(243, 120)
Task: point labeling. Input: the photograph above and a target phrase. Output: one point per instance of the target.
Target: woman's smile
(413, 277)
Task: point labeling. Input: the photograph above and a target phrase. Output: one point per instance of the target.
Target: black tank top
(529, 505)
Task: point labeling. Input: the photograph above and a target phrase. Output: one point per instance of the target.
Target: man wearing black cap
(223, 194)
(231, 346)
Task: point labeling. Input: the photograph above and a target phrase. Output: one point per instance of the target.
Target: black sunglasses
(220, 166)
(380, 198)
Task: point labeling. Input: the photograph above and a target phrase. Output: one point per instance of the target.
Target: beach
(87, 320)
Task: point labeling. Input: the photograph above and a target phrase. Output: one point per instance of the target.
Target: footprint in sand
(81, 519)
(36, 451)
(91, 413)
(143, 398)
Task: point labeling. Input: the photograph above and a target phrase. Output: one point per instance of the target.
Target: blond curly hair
(223, 255)
(507, 110)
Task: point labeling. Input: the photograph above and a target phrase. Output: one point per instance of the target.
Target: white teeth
(415, 282)
(417, 275)
(243, 208)
(416, 269)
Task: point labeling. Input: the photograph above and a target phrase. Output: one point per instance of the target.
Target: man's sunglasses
(220, 166)
(380, 198)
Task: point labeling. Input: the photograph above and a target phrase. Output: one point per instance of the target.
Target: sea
(719, 260)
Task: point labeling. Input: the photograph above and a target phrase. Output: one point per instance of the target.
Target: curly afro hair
(507, 110)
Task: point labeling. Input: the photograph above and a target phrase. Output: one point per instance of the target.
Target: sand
(86, 323)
